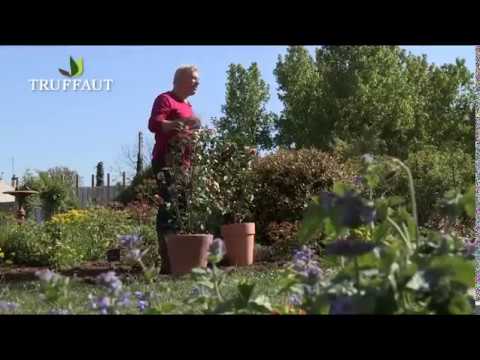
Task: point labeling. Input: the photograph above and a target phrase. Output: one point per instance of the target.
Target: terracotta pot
(240, 243)
(187, 252)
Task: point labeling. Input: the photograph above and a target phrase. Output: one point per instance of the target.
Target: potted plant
(234, 174)
(191, 203)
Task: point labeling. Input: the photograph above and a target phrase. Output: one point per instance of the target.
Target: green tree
(376, 99)
(245, 119)
(100, 174)
(298, 80)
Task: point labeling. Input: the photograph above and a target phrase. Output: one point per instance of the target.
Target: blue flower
(102, 304)
(348, 210)
(295, 299)
(349, 247)
(139, 295)
(124, 299)
(111, 281)
(342, 305)
(129, 241)
(142, 305)
(8, 306)
(217, 248)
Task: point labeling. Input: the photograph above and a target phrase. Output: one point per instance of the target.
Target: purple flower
(349, 210)
(102, 304)
(314, 273)
(358, 180)
(217, 248)
(352, 212)
(295, 299)
(111, 281)
(349, 247)
(142, 305)
(8, 306)
(124, 299)
(342, 305)
(305, 265)
(304, 254)
(129, 241)
(139, 295)
(470, 247)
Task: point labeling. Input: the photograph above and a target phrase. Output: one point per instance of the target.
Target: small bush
(142, 188)
(67, 240)
(434, 172)
(288, 179)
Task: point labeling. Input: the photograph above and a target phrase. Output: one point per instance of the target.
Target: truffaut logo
(76, 70)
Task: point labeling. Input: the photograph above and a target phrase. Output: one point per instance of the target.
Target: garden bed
(87, 270)
(90, 270)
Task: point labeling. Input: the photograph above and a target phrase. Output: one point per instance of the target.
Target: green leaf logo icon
(76, 68)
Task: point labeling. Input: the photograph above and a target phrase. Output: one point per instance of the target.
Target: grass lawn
(27, 294)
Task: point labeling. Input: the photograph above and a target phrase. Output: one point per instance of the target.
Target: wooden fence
(98, 195)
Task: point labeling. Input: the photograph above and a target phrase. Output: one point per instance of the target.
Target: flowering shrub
(71, 216)
(195, 191)
(67, 240)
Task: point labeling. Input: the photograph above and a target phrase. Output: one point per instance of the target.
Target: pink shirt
(166, 107)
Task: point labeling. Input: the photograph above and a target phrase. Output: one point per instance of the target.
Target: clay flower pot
(187, 252)
(239, 243)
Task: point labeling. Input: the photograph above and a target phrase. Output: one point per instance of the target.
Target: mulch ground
(90, 270)
(87, 270)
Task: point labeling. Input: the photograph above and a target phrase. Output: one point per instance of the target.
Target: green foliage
(142, 188)
(62, 244)
(395, 271)
(376, 99)
(245, 120)
(435, 172)
(100, 174)
(56, 190)
(233, 179)
(288, 179)
(193, 192)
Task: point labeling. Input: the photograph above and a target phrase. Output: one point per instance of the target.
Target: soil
(88, 271)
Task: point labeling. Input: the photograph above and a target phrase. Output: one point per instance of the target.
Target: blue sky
(79, 129)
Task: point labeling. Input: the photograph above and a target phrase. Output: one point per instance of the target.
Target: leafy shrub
(287, 179)
(393, 270)
(68, 239)
(435, 172)
(142, 188)
(56, 191)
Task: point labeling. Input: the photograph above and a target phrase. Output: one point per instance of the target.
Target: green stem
(412, 195)
(402, 235)
(215, 284)
(357, 272)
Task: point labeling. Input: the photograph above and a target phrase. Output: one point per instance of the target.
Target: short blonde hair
(183, 69)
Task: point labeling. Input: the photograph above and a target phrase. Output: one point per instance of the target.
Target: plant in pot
(192, 201)
(234, 175)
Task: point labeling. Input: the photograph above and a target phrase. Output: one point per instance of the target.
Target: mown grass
(27, 294)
